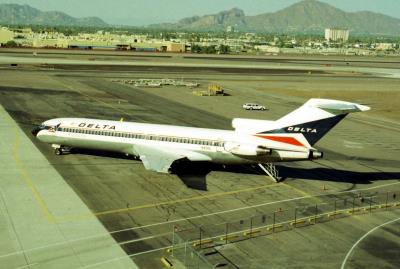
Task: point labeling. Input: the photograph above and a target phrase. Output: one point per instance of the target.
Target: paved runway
(138, 207)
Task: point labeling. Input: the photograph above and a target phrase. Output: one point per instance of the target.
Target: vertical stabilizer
(315, 118)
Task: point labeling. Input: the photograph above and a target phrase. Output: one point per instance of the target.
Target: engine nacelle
(314, 155)
(248, 150)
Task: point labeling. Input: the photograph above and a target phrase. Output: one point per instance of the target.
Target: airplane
(261, 142)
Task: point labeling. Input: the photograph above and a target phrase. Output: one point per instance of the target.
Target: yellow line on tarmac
(25, 176)
(291, 187)
(296, 189)
(183, 200)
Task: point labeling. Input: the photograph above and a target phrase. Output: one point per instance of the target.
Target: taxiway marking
(24, 173)
(190, 218)
(362, 238)
(182, 200)
(95, 99)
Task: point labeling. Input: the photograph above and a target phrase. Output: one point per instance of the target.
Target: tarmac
(343, 243)
(140, 209)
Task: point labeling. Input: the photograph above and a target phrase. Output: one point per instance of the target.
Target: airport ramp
(34, 200)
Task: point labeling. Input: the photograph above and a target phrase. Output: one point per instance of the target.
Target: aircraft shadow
(337, 175)
(194, 174)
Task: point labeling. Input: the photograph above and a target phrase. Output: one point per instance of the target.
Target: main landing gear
(271, 170)
(60, 150)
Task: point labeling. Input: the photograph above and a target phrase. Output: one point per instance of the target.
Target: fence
(198, 247)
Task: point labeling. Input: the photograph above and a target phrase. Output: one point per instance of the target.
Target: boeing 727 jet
(290, 138)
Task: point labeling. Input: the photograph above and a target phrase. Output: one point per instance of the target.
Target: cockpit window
(39, 128)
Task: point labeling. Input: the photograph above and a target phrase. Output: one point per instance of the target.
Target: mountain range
(27, 15)
(307, 16)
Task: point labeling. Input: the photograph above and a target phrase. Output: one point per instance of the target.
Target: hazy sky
(142, 12)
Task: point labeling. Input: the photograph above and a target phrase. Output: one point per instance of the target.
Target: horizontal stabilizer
(342, 107)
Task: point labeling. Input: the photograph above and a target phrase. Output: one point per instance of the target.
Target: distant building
(334, 34)
(230, 29)
(384, 46)
(176, 47)
(5, 35)
(267, 49)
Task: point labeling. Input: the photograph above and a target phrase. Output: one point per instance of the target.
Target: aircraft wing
(160, 160)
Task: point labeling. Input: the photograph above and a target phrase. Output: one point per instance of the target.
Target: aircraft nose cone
(35, 131)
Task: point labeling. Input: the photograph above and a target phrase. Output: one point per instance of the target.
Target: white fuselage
(220, 146)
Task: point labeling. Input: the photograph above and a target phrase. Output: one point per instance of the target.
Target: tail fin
(315, 118)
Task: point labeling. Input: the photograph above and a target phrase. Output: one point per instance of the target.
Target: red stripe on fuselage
(282, 139)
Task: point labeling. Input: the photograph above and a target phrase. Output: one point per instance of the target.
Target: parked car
(253, 106)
